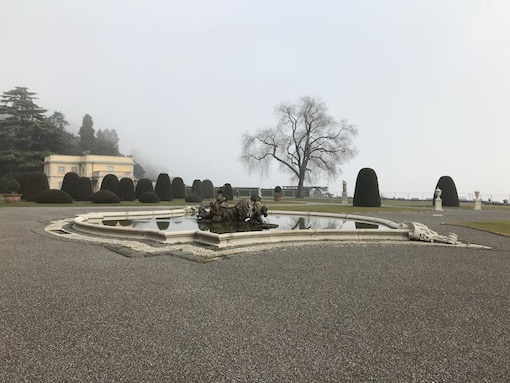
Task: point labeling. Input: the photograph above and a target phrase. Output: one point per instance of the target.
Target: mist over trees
(305, 142)
(27, 135)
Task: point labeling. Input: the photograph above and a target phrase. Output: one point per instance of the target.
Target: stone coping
(89, 223)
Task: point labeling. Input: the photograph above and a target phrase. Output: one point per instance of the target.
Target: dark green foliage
(449, 191)
(227, 192)
(178, 189)
(87, 138)
(83, 190)
(13, 186)
(208, 188)
(148, 197)
(163, 187)
(104, 196)
(193, 198)
(197, 188)
(138, 170)
(110, 182)
(366, 193)
(54, 196)
(126, 190)
(32, 184)
(107, 142)
(70, 184)
(142, 186)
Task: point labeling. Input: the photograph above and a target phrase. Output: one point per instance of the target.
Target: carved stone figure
(245, 210)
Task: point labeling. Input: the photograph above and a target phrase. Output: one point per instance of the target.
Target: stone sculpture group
(247, 210)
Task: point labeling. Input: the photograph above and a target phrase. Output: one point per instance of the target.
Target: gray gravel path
(327, 312)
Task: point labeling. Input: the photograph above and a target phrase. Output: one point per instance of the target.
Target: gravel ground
(321, 312)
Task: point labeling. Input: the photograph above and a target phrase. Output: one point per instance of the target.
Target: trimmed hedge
(32, 184)
(149, 197)
(83, 190)
(110, 182)
(105, 196)
(208, 188)
(366, 193)
(142, 186)
(54, 196)
(70, 183)
(163, 187)
(126, 190)
(178, 189)
(193, 198)
(449, 193)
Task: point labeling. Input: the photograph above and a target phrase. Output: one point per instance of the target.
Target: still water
(284, 222)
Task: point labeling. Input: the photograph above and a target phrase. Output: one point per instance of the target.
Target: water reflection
(279, 222)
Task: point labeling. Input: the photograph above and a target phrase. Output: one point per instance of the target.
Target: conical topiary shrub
(111, 183)
(33, 184)
(227, 192)
(178, 189)
(208, 188)
(126, 190)
(83, 190)
(164, 187)
(70, 183)
(448, 191)
(142, 186)
(198, 188)
(366, 193)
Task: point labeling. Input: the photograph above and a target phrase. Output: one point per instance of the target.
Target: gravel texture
(72, 311)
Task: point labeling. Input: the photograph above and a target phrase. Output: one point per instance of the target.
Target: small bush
(105, 196)
(149, 197)
(366, 192)
(164, 187)
(83, 190)
(142, 186)
(110, 182)
(208, 188)
(70, 184)
(126, 190)
(54, 196)
(178, 189)
(193, 198)
(449, 191)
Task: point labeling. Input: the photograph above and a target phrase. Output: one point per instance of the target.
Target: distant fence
(323, 192)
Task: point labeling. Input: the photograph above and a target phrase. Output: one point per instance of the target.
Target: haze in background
(427, 83)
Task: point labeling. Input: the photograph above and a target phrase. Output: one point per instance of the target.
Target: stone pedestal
(344, 198)
(478, 201)
(438, 202)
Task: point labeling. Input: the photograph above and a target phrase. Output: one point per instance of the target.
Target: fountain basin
(91, 223)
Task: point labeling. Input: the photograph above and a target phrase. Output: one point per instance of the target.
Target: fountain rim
(82, 223)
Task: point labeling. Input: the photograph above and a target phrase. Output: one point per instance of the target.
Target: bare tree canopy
(306, 143)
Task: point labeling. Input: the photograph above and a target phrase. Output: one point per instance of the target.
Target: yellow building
(95, 167)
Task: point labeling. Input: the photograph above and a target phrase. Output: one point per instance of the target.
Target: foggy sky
(426, 83)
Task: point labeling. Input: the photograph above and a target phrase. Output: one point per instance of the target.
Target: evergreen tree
(107, 142)
(87, 138)
(26, 135)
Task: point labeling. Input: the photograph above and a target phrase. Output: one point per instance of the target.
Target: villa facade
(92, 166)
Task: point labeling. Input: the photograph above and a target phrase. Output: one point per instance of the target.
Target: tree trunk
(300, 192)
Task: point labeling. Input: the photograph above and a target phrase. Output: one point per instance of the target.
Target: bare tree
(306, 142)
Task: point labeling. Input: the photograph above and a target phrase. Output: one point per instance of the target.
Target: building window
(110, 168)
(74, 169)
(61, 169)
